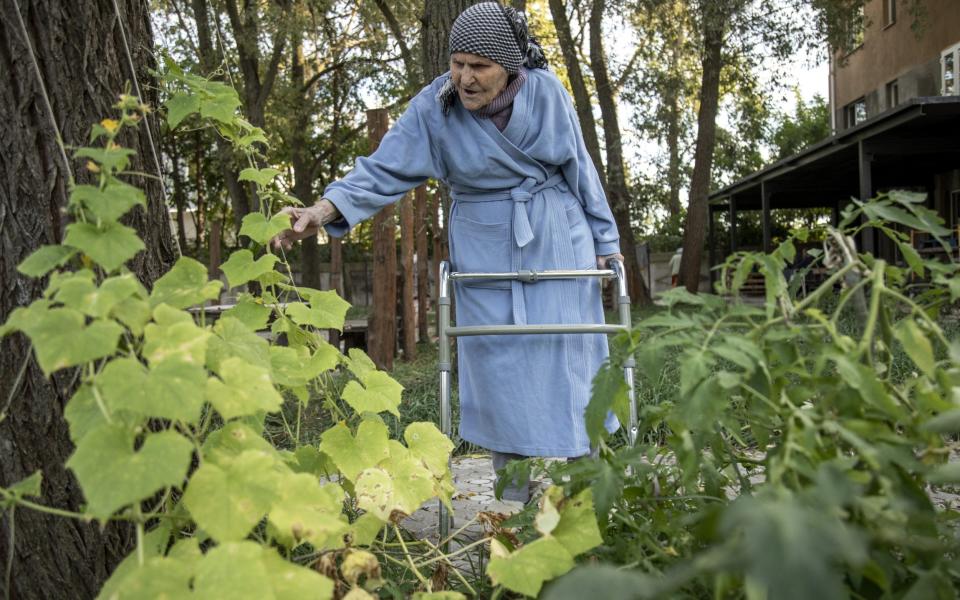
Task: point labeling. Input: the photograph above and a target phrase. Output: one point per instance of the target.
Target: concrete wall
(895, 52)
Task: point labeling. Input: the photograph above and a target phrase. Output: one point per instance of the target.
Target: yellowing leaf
(354, 454)
(245, 390)
(309, 512)
(186, 284)
(379, 393)
(241, 268)
(526, 570)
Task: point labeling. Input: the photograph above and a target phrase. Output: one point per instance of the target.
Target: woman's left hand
(602, 260)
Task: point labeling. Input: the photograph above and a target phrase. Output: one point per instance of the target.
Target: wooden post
(215, 231)
(766, 192)
(423, 263)
(383, 324)
(407, 235)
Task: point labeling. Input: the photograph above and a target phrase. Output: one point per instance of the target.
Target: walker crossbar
(446, 331)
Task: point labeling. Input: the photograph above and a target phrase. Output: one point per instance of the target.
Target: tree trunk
(714, 20)
(672, 100)
(582, 100)
(617, 193)
(423, 263)
(83, 66)
(383, 323)
(407, 235)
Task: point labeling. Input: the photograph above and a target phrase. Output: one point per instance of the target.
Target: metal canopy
(903, 147)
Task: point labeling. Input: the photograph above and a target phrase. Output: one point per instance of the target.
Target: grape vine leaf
(110, 244)
(221, 105)
(232, 440)
(184, 285)
(109, 203)
(44, 259)
(379, 393)
(241, 268)
(427, 443)
(256, 226)
(400, 483)
(181, 106)
(174, 335)
(359, 363)
(326, 310)
(233, 339)
(61, 339)
(297, 367)
(112, 474)
(228, 499)
(577, 528)
(354, 454)
(307, 511)
(245, 389)
(526, 569)
(261, 177)
(246, 569)
(253, 314)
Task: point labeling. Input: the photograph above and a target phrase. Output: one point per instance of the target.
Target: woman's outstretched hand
(307, 221)
(602, 260)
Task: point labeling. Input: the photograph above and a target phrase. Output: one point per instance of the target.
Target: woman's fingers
(305, 220)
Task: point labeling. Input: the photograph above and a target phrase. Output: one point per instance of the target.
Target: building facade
(896, 56)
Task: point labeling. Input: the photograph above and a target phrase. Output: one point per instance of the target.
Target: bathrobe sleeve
(581, 173)
(405, 158)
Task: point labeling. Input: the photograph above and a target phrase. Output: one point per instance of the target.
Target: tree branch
(270, 76)
(394, 26)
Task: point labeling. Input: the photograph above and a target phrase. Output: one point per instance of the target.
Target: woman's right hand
(307, 221)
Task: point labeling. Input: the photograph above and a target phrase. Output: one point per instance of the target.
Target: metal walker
(445, 331)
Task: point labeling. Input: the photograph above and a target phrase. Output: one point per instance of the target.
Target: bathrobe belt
(522, 232)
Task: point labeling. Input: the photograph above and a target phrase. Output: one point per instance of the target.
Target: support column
(711, 244)
(868, 237)
(733, 224)
(765, 192)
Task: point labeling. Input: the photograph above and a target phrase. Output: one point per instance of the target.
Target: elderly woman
(501, 131)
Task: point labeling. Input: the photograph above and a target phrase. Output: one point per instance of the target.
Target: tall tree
(617, 193)
(80, 53)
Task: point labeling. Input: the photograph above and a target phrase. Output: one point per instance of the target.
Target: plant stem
(413, 567)
(8, 576)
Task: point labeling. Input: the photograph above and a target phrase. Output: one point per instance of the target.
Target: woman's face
(479, 80)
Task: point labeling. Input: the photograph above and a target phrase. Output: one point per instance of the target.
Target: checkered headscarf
(496, 32)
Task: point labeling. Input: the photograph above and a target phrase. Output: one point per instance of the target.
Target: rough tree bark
(617, 193)
(714, 19)
(83, 66)
(383, 325)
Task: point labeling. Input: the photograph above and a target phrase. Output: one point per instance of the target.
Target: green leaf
(181, 106)
(44, 259)
(439, 596)
(292, 582)
(110, 244)
(110, 159)
(912, 257)
(233, 570)
(245, 390)
(354, 454)
(307, 511)
(228, 500)
(327, 310)
(526, 570)
(109, 203)
(174, 335)
(297, 367)
(609, 390)
(259, 229)
(222, 106)
(261, 177)
(577, 530)
(134, 313)
(186, 284)
(379, 393)
(359, 363)
(112, 474)
(82, 294)
(30, 486)
(945, 474)
(427, 443)
(917, 346)
(364, 530)
(175, 391)
(232, 440)
(60, 339)
(251, 312)
(159, 577)
(947, 422)
(241, 268)
(616, 583)
(402, 484)
(233, 339)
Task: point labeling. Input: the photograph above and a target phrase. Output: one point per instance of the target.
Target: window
(949, 62)
(889, 12)
(893, 94)
(853, 32)
(854, 113)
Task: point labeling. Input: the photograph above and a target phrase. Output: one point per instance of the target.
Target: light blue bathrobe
(526, 198)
